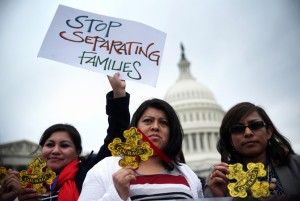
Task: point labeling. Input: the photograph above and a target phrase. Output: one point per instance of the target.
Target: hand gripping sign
(130, 150)
(247, 180)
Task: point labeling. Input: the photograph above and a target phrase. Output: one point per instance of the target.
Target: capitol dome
(200, 116)
(189, 89)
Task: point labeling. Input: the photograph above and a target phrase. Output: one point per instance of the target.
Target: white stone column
(198, 142)
(190, 139)
(216, 140)
(209, 141)
(205, 142)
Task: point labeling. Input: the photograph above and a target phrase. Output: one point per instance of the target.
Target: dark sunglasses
(252, 126)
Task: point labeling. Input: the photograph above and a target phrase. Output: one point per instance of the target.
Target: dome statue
(200, 116)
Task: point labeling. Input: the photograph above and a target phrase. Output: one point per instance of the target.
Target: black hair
(278, 147)
(174, 148)
(71, 130)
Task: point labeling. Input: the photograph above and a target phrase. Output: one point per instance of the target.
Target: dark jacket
(287, 173)
(117, 110)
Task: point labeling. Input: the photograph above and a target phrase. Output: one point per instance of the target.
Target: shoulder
(294, 159)
(110, 162)
(103, 169)
(184, 168)
(88, 159)
(292, 163)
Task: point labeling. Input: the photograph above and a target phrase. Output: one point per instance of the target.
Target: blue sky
(242, 50)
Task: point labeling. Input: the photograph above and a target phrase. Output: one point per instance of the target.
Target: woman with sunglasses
(247, 134)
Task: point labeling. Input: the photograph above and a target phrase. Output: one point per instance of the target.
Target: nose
(248, 132)
(56, 150)
(155, 125)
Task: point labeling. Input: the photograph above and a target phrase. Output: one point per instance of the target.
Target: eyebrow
(251, 121)
(155, 117)
(63, 141)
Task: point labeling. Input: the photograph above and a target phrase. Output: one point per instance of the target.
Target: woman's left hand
(122, 179)
(217, 181)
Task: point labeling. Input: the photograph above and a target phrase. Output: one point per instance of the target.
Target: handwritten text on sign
(104, 44)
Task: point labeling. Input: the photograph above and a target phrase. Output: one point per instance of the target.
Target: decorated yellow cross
(3, 173)
(130, 149)
(247, 180)
(37, 177)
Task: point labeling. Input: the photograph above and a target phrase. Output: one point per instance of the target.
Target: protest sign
(104, 44)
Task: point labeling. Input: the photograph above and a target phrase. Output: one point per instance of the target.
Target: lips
(249, 142)
(154, 136)
(54, 159)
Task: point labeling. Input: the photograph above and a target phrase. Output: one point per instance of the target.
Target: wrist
(119, 93)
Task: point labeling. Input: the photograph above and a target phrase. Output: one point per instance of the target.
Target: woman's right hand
(122, 179)
(29, 194)
(217, 181)
(117, 85)
(11, 186)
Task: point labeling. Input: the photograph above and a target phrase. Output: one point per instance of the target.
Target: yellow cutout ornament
(247, 180)
(37, 177)
(3, 173)
(130, 149)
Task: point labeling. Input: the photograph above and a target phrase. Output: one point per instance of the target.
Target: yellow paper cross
(247, 180)
(130, 149)
(3, 173)
(37, 178)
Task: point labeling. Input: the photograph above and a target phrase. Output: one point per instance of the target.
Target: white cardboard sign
(104, 44)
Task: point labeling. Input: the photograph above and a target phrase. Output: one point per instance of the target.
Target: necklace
(272, 181)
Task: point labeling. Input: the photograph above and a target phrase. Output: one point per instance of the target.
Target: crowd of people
(247, 135)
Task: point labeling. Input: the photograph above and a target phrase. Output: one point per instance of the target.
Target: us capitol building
(200, 116)
(198, 112)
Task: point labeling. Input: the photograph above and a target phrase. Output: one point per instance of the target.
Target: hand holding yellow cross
(37, 177)
(247, 180)
(130, 149)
